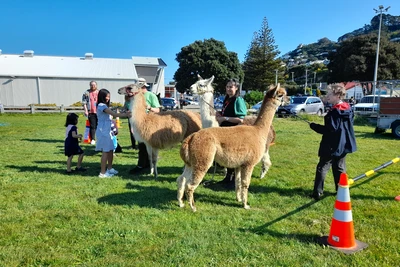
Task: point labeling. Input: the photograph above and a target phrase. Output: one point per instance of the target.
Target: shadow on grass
(385, 135)
(144, 196)
(44, 140)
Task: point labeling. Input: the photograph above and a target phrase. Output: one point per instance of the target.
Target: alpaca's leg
(265, 163)
(192, 184)
(181, 182)
(245, 180)
(154, 159)
(150, 154)
(238, 184)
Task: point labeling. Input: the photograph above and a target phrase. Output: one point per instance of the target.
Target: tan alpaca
(159, 130)
(203, 88)
(240, 147)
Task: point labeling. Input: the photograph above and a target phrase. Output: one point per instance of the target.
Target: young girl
(104, 134)
(71, 144)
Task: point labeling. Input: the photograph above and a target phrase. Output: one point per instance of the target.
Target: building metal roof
(30, 65)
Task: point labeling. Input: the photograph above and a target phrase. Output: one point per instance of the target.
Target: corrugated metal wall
(59, 91)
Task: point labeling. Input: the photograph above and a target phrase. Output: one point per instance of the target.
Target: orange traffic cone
(341, 236)
(86, 136)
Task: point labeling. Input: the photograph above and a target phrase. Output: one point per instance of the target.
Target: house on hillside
(35, 79)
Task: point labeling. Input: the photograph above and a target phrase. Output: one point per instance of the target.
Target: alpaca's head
(202, 86)
(133, 87)
(276, 94)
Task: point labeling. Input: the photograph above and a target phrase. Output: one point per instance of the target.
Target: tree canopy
(354, 59)
(207, 58)
(261, 63)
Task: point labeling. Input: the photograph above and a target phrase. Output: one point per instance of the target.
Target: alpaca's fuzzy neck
(266, 114)
(206, 111)
(138, 110)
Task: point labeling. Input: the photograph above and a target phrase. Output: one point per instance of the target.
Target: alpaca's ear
(199, 77)
(211, 79)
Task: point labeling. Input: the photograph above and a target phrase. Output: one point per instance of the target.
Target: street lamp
(315, 76)
(381, 10)
(276, 77)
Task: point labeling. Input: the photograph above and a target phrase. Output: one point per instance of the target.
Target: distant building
(30, 79)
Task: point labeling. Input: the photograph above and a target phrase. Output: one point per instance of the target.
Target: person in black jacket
(337, 139)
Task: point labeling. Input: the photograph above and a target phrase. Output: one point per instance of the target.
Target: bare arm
(74, 135)
(126, 114)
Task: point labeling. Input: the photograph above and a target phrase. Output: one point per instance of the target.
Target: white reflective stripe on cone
(343, 195)
(343, 215)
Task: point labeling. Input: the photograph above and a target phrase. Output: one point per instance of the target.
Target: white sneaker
(93, 142)
(106, 175)
(112, 171)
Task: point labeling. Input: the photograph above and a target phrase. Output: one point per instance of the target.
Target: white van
(367, 106)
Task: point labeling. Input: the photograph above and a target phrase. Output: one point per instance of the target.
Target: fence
(39, 109)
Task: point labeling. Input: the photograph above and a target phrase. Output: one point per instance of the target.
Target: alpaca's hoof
(181, 205)
(239, 199)
(246, 207)
(194, 209)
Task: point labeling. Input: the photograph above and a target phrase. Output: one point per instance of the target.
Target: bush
(253, 97)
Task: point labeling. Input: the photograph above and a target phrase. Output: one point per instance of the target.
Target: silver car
(302, 105)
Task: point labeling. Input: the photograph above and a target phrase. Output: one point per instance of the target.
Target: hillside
(317, 52)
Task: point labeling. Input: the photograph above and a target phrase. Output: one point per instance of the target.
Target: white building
(30, 79)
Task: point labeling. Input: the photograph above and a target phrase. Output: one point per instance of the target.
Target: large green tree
(207, 58)
(260, 63)
(354, 59)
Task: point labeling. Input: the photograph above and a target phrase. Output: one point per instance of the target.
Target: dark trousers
(92, 117)
(133, 140)
(338, 165)
(143, 161)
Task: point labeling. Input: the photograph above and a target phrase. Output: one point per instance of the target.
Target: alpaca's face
(202, 86)
(124, 90)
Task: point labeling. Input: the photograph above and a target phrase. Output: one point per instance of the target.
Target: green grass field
(48, 218)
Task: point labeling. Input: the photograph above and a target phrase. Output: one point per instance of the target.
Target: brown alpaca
(205, 90)
(159, 130)
(240, 147)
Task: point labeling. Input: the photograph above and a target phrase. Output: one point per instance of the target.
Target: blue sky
(150, 28)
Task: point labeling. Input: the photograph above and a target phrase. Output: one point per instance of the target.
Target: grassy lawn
(48, 218)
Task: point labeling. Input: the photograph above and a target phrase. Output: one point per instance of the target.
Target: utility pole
(315, 76)
(292, 76)
(276, 77)
(381, 10)
(305, 86)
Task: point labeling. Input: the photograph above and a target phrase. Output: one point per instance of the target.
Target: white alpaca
(159, 130)
(200, 149)
(205, 90)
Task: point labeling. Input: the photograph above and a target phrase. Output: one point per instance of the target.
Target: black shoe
(138, 170)
(317, 196)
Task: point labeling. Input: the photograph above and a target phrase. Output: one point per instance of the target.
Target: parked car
(366, 107)
(256, 108)
(169, 103)
(302, 105)
(218, 103)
